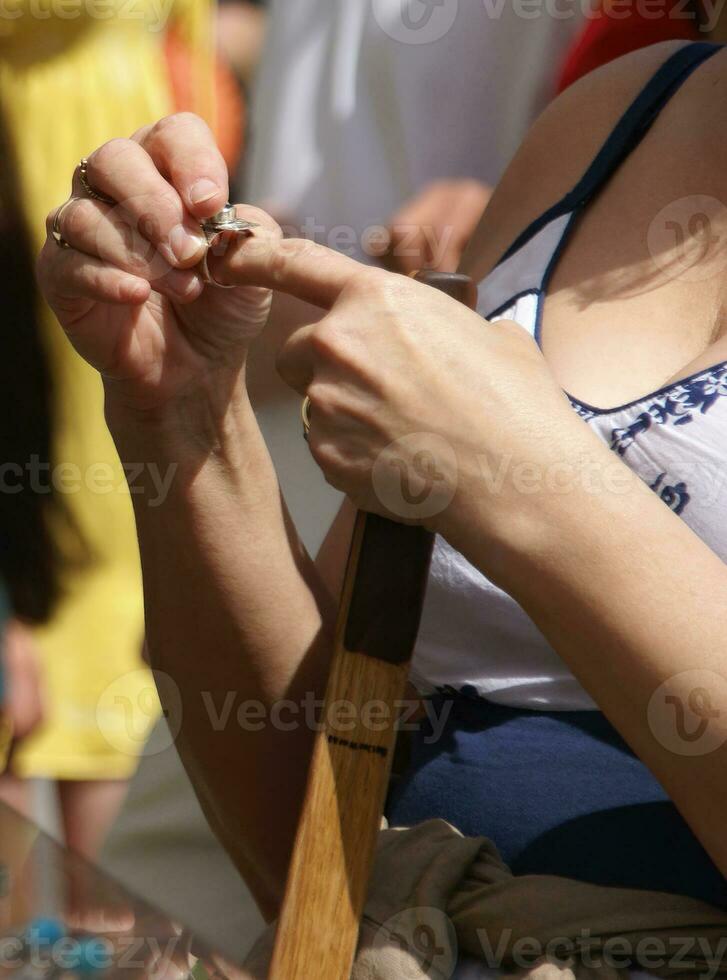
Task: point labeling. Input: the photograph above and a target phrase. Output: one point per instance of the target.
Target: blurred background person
(613, 30)
(31, 562)
(73, 74)
(240, 28)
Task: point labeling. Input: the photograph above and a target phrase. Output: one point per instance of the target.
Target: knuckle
(365, 282)
(385, 290)
(328, 458)
(106, 158)
(175, 121)
(155, 212)
(77, 219)
(139, 135)
(53, 270)
(327, 339)
(338, 471)
(283, 254)
(322, 399)
(93, 277)
(50, 218)
(396, 291)
(277, 261)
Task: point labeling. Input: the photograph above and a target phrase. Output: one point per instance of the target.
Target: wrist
(201, 420)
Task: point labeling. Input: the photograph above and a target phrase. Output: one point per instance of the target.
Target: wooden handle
(378, 620)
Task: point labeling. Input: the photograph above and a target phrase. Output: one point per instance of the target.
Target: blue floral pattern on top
(678, 405)
(675, 496)
(581, 410)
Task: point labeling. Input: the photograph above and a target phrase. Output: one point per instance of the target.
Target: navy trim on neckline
(628, 133)
(625, 136)
(516, 297)
(658, 393)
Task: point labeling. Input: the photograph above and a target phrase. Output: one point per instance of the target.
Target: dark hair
(29, 557)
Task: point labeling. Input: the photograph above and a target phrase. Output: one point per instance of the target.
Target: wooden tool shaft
(378, 620)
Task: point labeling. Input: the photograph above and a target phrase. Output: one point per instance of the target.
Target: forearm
(235, 615)
(630, 598)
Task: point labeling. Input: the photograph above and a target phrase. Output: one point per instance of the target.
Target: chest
(635, 296)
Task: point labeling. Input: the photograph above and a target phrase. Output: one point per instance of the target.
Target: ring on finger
(89, 190)
(305, 416)
(56, 227)
(218, 230)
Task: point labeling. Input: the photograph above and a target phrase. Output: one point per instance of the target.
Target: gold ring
(91, 191)
(305, 415)
(56, 226)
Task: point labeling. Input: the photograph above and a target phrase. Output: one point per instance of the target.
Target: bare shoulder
(558, 149)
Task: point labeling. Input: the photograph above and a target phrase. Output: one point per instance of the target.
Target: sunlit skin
(235, 603)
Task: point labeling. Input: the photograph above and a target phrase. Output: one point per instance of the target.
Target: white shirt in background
(361, 103)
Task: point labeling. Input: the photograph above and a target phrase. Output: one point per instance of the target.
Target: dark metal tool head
(454, 284)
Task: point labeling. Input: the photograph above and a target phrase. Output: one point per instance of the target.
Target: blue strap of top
(626, 135)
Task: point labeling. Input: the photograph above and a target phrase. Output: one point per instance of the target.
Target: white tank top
(474, 634)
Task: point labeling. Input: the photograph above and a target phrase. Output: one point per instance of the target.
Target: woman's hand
(127, 291)
(415, 400)
(411, 393)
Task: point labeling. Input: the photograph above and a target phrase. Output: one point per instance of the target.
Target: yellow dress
(73, 74)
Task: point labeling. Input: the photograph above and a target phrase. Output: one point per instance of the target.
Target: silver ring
(91, 191)
(305, 415)
(56, 226)
(218, 230)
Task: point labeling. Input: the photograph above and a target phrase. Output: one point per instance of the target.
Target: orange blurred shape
(229, 124)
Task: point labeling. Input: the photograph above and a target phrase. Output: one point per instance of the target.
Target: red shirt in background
(620, 26)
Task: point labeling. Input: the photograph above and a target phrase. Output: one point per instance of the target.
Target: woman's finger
(184, 150)
(101, 232)
(68, 276)
(295, 362)
(105, 232)
(147, 204)
(301, 268)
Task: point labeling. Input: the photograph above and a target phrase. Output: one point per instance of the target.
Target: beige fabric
(436, 894)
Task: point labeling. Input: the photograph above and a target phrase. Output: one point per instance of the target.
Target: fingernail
(203, 190)
(184, 244)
